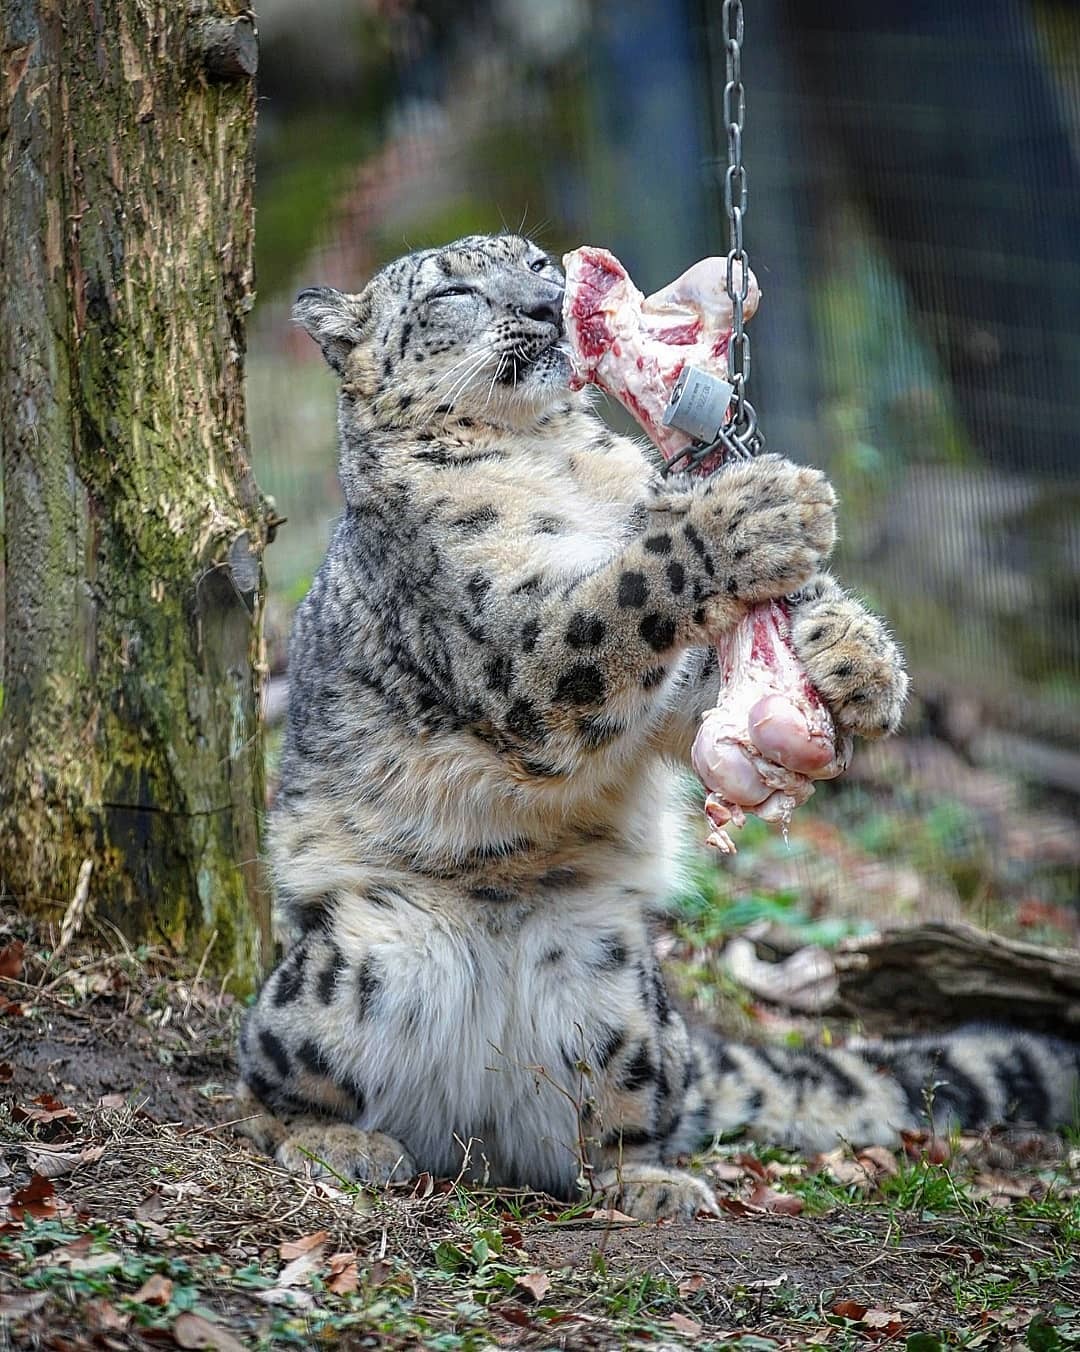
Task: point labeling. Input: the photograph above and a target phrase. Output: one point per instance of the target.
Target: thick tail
(867, 1093)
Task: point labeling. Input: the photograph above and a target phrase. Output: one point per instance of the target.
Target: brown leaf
(514, 1314)
(849, 1309)
(11, 960)
(156, 1290)
(7, 1071)
(765, 1198)
(11, 1007)
(65, 1254)
(882, 1160)
(861, 1172)
(105, 1318)
(47, 1108)
(343, 1279)
(689, 1328)
(380, 1272)
(726, 1172)
(536, 1284)
(608, 1213)
(16, 1307)
(751, 1165)
(891, 1320)
(55, 1163)
(692, 1285)
(301, 1267)
(192, 1330)
(151, 1208)
(1001, 1185)
(921, 1145)
(37, 1199)
(293, 1248)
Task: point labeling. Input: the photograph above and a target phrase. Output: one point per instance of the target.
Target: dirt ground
(131, 1216)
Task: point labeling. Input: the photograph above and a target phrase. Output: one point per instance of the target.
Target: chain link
(739, 436)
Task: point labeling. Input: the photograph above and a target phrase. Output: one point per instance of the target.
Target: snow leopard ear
(335, 320)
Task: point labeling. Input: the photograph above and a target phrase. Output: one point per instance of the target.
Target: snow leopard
(494, 683)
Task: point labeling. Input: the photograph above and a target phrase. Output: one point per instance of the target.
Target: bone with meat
(769, 736)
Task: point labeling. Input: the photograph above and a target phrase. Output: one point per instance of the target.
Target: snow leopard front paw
(650, 1192)
(851, 660)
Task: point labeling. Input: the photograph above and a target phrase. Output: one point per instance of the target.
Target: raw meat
(634, 346)
(770, 736)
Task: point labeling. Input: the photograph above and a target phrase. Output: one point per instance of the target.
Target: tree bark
(935, 976)
(134, 531)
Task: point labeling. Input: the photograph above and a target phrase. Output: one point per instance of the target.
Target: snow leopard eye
(539, 264)
(448, 291)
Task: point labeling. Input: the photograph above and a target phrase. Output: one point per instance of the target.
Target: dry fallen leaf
(765, 1198)
(7, 1071)
(46, 1109)
(849, 1309)
(537, 1284)
(11, 960)
(724, 1171)
(689, 1328)
(105, 1318)
(17, 1307)
(67, 1253)
(37, 1199)
(192, 1330)
(55, 1163)
(156, 1290)
(861, 1172)
(602, 1213)
(293, 1248)
(151, 1208)
(692, 1285)
(343, 1279)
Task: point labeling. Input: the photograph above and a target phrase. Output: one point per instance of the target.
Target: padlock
(698, 404)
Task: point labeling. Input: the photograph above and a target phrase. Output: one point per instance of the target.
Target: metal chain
(739, 437)
(740, 433)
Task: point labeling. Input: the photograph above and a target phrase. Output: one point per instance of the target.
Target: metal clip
(698, 404)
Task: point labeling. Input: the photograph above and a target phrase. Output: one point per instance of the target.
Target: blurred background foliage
(915, 224)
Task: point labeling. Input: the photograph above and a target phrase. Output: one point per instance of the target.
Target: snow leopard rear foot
(323, 1148)
(336, 1150)
(649, 1192)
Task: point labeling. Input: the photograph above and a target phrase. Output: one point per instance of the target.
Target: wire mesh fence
(914, 221)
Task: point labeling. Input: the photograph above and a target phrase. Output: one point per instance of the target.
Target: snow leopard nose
(545, 308)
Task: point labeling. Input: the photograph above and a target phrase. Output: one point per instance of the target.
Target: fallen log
(935, 976)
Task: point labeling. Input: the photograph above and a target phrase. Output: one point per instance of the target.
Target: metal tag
(698, 404)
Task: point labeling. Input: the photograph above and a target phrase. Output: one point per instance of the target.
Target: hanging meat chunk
(770, 736)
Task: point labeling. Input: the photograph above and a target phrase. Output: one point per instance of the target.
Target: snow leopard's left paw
(853, 663)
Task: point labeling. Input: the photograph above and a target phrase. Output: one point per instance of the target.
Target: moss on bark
(134, 529)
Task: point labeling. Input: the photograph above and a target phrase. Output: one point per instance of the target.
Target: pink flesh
(634, 346)
(770, 736)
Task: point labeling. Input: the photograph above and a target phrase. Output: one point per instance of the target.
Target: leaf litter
(127, 1213)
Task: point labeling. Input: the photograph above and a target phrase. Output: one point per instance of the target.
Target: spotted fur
(499, 665)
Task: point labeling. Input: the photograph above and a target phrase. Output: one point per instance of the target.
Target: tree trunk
(935, 976)
(134, 531)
